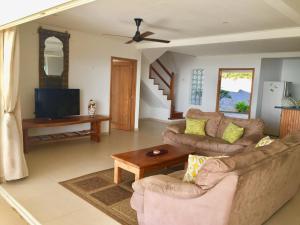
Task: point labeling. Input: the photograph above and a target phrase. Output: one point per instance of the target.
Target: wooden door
(122, 101)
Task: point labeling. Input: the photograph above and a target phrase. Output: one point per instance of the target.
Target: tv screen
(56, 103)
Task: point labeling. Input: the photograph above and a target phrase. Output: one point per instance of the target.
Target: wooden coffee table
(138, 162)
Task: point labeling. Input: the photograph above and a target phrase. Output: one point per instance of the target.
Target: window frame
(221, 70)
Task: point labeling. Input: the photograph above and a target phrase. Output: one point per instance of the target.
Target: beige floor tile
(8, 216)
(49, 164)
(86, 216)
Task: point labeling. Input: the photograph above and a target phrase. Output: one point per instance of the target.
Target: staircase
(164, 79)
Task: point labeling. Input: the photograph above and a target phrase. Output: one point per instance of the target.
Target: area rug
(114, 200)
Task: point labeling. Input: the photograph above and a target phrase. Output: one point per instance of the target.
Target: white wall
(153, 104)
(211, 66)
(291, 72)
(89, 69)
(184, 64)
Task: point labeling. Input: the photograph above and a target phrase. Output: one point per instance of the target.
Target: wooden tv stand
(94, 132)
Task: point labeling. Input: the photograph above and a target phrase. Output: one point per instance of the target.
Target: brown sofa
(243, 189)
(213, 144)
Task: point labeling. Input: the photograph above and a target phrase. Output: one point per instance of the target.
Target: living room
(45, 190)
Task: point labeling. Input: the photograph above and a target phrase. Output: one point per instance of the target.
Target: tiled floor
(51, 204)
(8, 216)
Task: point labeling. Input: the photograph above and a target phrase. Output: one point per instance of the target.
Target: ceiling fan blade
(146, 34)
(156, 40)
(129, 42)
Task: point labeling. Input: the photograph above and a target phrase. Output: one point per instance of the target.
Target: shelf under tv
(58, 137)
(94, 132)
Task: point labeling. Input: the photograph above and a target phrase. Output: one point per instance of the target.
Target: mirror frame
(52, 81)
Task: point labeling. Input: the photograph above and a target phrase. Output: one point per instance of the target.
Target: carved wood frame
(46, 81)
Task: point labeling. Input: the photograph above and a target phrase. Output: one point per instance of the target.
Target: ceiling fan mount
(138, 37)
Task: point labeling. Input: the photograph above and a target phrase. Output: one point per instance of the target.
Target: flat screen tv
(56, 103)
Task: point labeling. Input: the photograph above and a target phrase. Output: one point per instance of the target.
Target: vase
(92, 108)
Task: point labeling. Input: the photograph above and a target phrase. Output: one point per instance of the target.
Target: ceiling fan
(138, 37)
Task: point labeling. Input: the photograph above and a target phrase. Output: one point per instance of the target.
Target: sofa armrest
(177, 128)
(213, 207)
(249, 140)
(168, 186)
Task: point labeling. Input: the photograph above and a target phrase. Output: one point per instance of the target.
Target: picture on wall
(197, 87)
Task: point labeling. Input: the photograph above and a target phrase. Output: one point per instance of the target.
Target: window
(197, 87)
(234, 92)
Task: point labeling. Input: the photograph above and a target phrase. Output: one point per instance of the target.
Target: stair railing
(169, 85)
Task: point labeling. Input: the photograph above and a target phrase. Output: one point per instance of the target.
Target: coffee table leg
(117, 174)
(139, 175)
(186, 163)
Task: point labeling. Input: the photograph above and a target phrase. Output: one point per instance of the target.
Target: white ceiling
(177, 19)
(257, 46)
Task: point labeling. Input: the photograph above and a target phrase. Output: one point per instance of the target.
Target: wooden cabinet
(290, 121)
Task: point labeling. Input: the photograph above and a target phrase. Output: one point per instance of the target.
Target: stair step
(163, 90)
(176, 115)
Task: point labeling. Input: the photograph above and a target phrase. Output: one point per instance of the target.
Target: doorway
(123, 93)
(234, 94)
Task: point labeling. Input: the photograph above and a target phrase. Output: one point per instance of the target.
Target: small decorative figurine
(92, 108)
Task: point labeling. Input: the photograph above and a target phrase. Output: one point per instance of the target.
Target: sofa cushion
(292, 139)
(167, 185)
(215, 170)
(218, 145)
(253, 129)
(232, 133)
(185, 139)
(213, 120)
(195, 126)
(177, 174)
(177, 128)
(244, 159)
(204, 143)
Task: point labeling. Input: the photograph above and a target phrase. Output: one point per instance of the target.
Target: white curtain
(13, 164)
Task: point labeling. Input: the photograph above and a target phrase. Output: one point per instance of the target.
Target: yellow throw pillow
(264, 141)
(232, 133)
(195, 163)
(194, 126)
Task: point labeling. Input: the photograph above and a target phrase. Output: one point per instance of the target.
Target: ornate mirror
(53, 59)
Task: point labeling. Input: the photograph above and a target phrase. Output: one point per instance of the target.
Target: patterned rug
(114, 200)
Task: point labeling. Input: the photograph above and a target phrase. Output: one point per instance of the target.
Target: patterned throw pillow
(232, 133)
(194, 126)
(195, 163)
(264, 141)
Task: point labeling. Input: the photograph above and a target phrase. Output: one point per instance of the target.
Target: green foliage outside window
(224, 94)
(242, 107)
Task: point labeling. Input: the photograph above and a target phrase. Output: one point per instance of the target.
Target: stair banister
(161, 78)
(169, 86)
(164, 68)
(172, 95)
